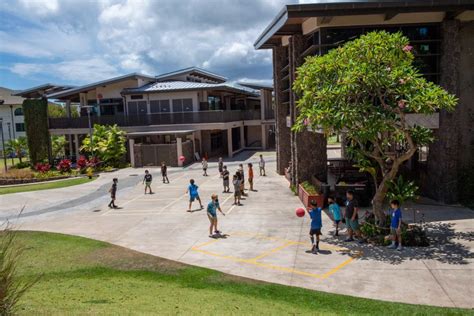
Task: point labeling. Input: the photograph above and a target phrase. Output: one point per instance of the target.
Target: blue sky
(82, 41)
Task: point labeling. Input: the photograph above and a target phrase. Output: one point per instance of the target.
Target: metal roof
(192, 71)
(256, 86)
(41, 90)
(170, 86)
(91, 86)
(283, 25)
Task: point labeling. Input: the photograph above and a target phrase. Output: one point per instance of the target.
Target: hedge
(36, 123)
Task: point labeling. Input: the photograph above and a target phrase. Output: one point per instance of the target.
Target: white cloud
(41, 7)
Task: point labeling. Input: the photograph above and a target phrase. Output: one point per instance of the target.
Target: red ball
(182, 158)
(300, 212)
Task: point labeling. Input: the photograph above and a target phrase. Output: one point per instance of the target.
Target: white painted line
(231, 208)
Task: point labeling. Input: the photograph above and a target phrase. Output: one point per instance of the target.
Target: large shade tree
(365, 89)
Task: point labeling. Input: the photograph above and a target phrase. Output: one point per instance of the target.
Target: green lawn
(45, 185)
(83, 276)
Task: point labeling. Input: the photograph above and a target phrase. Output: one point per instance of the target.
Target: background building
(11, 113)
(442, 33)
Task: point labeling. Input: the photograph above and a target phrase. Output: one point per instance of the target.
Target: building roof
(289, 20)
(194, 71)
(256, 86)
(41, 90)
(87, 87)
(173, 86)
(8, 97)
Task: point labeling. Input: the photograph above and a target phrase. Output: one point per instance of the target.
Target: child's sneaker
(392, 246)
(400, 248)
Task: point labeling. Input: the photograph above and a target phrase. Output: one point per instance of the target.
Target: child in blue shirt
(316, 224)
(336, 213)
(212, 208)
(396, 225)
(193, 194)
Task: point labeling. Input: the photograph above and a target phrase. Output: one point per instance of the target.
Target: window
(182, 105)
(19, 112)
(136, 97)
(20, 127)
(157, 106)
(137, 107)
(214, 103)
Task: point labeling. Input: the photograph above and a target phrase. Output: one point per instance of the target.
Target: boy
(352, 218)
(396, 225)
(204, 167)
(250, 176)
(193, 194)
(113, 192)
(212, 207)
(242, 179)
(164, 172)
(316, 224)
(236, 183)
(336, 213)
(221, 166)
(147, 181)
(225, 179)
(261, 165)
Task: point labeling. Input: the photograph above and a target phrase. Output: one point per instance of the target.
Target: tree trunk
(381, 192)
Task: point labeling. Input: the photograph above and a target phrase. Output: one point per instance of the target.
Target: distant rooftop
(170, 86)
(41, 90)
(194, 71)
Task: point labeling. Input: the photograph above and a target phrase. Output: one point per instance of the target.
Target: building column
(76, 144)
(69, 140)
(131, 144)
(281, 111)
(264, 136)
(179, 150)
(229, 143)
(308, 149)
(242, 137)
(68, 108)
(262, 104)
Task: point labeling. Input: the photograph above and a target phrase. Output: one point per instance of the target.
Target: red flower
(401, 104)
(407, 48)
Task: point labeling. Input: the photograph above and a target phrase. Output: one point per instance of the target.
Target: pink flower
(402, 81)
(306, 121)
(407, 48)
(401, 104)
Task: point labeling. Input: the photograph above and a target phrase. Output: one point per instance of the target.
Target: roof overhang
(151, 133)
(289, 21)
(41, 91)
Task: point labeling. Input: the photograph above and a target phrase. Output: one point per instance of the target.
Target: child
(336, 213)
(225, 178)
(261, 165)
(147, 181)
(221, 166)
(316, 224)
(212, 207)
(236, 183)
(193, 194)
(204, 166)
(242, 179)
(352, 217)
(250, 176)
(396, 225)
(113, 192)
(164, 172)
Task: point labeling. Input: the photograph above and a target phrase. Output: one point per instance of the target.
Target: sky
(82, 41)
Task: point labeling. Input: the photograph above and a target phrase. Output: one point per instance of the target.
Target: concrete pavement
(263, 239)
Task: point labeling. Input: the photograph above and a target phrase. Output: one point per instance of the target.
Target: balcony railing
(156, 119)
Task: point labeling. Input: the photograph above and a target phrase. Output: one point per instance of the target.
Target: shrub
(82, 162)
(42, 167)
(64, 166)
(108, 144)
(36, 123)
(22, 165)
(18, 174)
(308, 187)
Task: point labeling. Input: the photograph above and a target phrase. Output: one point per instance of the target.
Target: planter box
(306, 198)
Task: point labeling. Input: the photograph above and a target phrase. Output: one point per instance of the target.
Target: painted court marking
(286, 243)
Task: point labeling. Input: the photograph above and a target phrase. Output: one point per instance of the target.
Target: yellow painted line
(272, 251)
(205, 244)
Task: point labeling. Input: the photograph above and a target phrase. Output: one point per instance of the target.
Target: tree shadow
(445, 247)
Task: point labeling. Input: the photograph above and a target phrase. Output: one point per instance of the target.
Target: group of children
(351, 220)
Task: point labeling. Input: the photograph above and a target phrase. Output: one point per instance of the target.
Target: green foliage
(57, 110)
(308, 187)
(402, 190)
(58, 144)
(108, 144)
(36, 123)
(18, 147)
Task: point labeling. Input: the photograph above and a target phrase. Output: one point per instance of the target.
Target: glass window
(20, 127)
(214, 103)
(132, 108)
(178, 105)
(19, 112)
(141, 107)
(136, 97)
(187, 105)
(157, 106)
(165, 106)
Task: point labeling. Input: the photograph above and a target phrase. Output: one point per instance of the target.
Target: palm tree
(18, 147)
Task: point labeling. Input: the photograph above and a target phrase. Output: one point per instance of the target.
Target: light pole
(88, 108)
(3, 146)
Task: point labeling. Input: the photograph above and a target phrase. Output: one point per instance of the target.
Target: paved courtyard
(263, 239)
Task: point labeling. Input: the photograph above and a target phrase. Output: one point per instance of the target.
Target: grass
(84, 276)
(45, 185)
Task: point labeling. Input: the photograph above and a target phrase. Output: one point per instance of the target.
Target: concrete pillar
(229, 143)
(76, 144)
(308, 149)
(262, 104)
(264, 136)
(69, 140)
(131, 144)
(242, 137)
(281, 110)
(194, 145)
(68, 108)
(179, 150)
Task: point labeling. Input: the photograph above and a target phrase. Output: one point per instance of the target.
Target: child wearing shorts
(336, 213)
(193, 194)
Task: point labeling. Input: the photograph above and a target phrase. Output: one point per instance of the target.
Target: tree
(365, 89)
(58, 144)
(57, 110)
(18, 147)
(37, 132)
(108, 144)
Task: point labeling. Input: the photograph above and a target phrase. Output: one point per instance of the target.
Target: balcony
(156, 119)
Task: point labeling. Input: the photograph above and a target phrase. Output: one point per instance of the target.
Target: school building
(190, 112)
(442, 34)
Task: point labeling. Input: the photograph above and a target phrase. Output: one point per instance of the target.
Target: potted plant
(307, 193)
